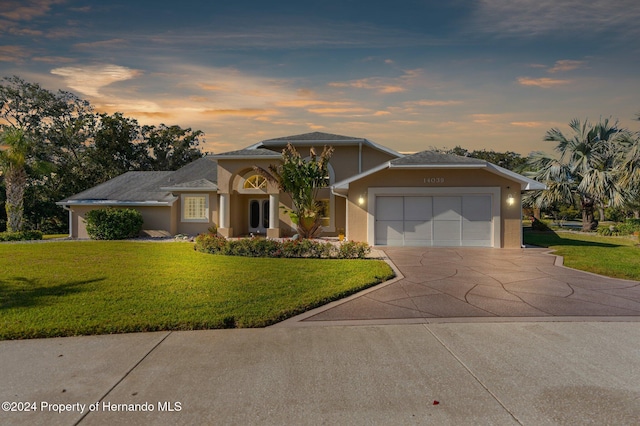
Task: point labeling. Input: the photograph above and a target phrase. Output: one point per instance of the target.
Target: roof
(438, 160)
(150, 187)
(248, 153)
(131, 187)
(197, 175)
(313, 137)
(320, 138)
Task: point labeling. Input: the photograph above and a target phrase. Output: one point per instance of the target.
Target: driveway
(438, 284)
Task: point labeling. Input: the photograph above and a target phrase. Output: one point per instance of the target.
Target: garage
(434, 220)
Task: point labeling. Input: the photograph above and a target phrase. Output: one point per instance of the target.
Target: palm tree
(586, 168)
(13, 160)
(629, 172)
(301, 179)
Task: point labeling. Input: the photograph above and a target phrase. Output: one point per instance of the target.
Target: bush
(210, 243)
(113, 224)
(352, 249)
(264, 247)
(629, 227)
(20, 236)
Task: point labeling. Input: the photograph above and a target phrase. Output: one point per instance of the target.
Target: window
(195, 208)
(325, 212)
(255, 182)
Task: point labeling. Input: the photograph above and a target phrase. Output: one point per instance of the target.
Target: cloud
(335, 112)
(383, 85)
(529, 124)
(88, 80)
(566, 65)
(52, 59)
(103, 44)
(303, 103)
(13, 53)
(370, 84)
(26, 10)
(544, 82)
(535, 17)
(243, 112)
(431, 103)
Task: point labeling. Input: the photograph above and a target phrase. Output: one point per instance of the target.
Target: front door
(258, 216)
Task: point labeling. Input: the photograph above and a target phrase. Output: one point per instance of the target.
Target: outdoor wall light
(511, 200)
(361, 200)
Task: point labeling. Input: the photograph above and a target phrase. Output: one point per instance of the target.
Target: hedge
(264, 247)
(113, 224)
(20, 236)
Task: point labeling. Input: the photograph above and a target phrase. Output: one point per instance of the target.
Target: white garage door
(464, 220)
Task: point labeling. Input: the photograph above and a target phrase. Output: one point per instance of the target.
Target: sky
(408, 74)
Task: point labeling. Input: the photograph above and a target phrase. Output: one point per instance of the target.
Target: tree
(586, 169)
(57, 126)
(13, 161)
(629, 172)
(301, 179)
(171, 147)
(81, 148)
(509, 160)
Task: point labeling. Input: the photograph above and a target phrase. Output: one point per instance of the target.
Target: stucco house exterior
(375, 195)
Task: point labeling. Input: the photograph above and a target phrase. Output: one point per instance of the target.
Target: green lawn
(98, 287)
(611, 256)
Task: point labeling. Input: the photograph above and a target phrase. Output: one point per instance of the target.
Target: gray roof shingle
(134, 187)
(315, 137)
(249, 152)
(128, 187)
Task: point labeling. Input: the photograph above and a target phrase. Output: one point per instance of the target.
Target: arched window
(255, 182)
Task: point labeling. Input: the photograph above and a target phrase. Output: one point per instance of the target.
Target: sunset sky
(408, 74)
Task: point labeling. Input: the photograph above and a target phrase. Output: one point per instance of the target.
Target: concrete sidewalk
(479, 373)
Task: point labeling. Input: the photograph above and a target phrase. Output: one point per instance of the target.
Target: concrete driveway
(449, 284)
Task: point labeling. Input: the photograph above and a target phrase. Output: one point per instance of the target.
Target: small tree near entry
(301, 179)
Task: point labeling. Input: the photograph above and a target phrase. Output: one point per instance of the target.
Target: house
(375, 194)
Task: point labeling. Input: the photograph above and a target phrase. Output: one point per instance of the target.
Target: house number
(434, 180)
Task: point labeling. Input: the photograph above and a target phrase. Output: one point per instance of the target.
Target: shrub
(629, 227)
(20, 236)
(264, 247)
(210, 243)
(353, 250)
(113, 224)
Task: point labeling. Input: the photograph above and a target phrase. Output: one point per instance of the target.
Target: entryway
(258, 216)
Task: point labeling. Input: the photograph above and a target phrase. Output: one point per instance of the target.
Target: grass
(617, 257)
(100, 287)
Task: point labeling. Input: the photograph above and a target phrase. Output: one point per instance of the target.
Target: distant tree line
(53, 145)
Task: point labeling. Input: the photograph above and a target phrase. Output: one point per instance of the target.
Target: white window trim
(255, 191)
(183, 197)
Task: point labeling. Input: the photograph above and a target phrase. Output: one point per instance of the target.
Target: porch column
(225, 209)
(274, 216)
